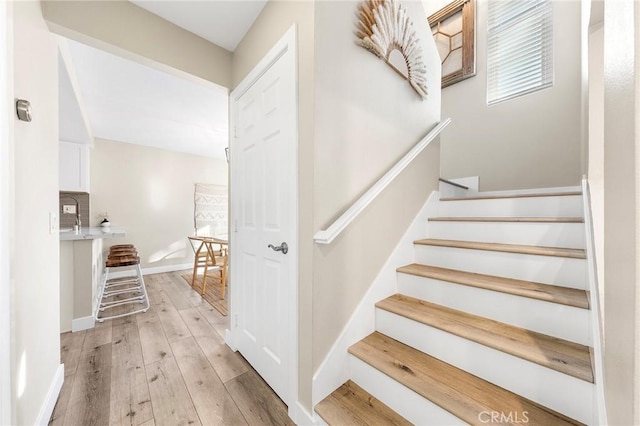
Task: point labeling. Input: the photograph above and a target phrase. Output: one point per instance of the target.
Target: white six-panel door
(264, 194)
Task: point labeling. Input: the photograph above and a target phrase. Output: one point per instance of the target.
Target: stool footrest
(136, 288)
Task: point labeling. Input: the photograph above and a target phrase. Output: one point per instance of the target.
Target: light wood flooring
(168, 366)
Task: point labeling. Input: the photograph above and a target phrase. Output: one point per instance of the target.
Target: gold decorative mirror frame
(461, 43)
(384, 29)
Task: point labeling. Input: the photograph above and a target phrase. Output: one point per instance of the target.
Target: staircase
(490, 325)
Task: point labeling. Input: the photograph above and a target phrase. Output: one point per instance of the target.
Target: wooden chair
(209, 258)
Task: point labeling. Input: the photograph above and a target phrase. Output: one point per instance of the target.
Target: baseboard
(302, 417)
(83, 323)
(153, 270)
(52, 397)
(552, 190)
(600, 411)
(334, 370)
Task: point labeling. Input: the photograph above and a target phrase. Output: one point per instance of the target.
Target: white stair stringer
(409, 404)
(553, 319)
(553, 234)
(550, 206)
(565, 394)
(560, 271)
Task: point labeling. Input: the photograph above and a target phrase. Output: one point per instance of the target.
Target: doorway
(264, 219)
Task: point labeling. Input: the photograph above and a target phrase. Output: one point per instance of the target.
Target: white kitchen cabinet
(74, 167)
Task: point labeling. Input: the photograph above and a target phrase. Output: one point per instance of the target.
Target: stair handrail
(326, 236)
(594, 293)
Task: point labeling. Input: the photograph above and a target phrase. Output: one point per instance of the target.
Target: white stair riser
(402, 400)
(562, 206)
(560, 392)
(448, 190)
(553, 319)
(561, 271)
(568, 235)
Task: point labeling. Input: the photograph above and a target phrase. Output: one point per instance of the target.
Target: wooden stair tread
(545, 292)
(460, 393)
(351, 405)
(498, 196)
(506, 248)
(509, 219)
(560, 355)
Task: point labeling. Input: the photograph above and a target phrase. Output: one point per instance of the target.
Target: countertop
(92, 233)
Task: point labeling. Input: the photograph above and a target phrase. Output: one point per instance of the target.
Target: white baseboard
(334, 370)
(153, 270)
(302, 417)
(52, 397)
(552, 190)
(83, 323)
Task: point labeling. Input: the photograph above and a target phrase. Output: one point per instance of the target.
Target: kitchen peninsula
(81, 269)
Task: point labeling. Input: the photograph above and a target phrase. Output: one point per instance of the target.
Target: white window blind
(519, 48)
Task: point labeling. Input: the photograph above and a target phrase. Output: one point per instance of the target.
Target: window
(519, 48)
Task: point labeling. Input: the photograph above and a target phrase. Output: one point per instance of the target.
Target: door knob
(284, 248)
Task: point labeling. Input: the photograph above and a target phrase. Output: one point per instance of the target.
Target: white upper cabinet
(74, 167)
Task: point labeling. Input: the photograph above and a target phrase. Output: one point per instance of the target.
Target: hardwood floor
(168, 366)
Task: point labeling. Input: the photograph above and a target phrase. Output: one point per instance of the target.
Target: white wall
(621, 211)
(366, 118)
(123, 28)
(35, 251)
(149, 193)
(529, 142)
(6, 118)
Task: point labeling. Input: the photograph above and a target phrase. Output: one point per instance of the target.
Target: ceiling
(128, 102)
(222, 22)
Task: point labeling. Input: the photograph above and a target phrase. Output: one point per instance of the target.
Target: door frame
(287, 44)
(6, 114)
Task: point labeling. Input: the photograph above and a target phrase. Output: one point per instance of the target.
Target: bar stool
(122, 255)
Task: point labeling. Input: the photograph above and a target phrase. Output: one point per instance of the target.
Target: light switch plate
(53, 222)
(69, 209)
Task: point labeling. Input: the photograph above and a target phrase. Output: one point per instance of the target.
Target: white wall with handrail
(326, 236)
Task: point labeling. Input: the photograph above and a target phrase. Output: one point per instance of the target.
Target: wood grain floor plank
(455, 390)
(60, 409)
(196, 322)
(70, 350)
(481, 196)
(111, 377)
(97, 336)
(172, 405)
(352, 405)
(155, 345)
(172, 322)
(506, 248)
(130, 399)
(548, 293)
(257, 402)
(560, 355)
(213, 403)
(228, 364)
(176, 295)
(90, 397)
(219, 322)
(509, 219)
